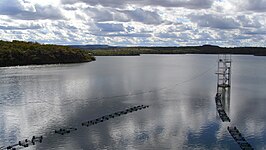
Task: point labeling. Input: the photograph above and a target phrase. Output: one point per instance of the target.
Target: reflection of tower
(224, 79)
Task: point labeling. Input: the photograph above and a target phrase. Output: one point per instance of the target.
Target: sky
(135, 22)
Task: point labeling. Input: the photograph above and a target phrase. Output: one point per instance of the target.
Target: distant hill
(205, 49)
(90, 47)
(28, 53)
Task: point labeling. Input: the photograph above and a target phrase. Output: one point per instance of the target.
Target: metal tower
(224, 85)
(224, 72)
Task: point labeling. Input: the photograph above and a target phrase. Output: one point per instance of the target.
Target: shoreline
(20, 53)
(206, 49)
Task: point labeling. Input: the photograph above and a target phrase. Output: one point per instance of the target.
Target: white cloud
(18, 9)
(250, 5)
(191, 4)
(215, 21)
(124, 22)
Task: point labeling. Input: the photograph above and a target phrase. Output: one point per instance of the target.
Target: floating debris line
(25, 143)
(241, 141)
(65, 131)
(113, 115)
(62, 131)
(223, 90)
(219, 106)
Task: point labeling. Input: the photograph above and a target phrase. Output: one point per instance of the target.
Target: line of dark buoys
(113, 115)
(63, 131)
(26, 143)
(241, 141)
(219, 106)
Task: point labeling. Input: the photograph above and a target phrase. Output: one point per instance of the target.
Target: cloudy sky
(135, 22)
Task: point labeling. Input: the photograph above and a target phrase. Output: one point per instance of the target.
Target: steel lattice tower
(224, 72)
(224, 79)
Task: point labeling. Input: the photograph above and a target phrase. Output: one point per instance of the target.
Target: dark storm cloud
(214, 21)
(16, 10)
(192, 4)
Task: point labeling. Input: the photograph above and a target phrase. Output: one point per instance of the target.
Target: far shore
(205, 49)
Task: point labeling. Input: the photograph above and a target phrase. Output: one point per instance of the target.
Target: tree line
(28, 53)
(205, 49)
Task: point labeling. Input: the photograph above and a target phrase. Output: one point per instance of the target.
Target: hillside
(91, 46)
(205, 49)
(28, 53)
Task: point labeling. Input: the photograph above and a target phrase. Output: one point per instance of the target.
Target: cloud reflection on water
(183, 117)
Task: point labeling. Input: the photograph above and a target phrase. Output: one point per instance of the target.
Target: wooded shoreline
(31, 53)
(18, 53)
(205, 49)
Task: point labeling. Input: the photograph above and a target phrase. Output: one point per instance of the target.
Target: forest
(205, 49)
(32, 53)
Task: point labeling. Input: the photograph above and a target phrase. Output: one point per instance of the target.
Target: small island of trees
(31, 53)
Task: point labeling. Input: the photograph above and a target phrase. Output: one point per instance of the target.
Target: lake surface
(180, 89)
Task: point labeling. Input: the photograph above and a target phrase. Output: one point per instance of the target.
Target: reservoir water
(180, 90)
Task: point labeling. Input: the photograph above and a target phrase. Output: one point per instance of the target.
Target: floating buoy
(237, 136)
(115, 114)
(9, 147)
(64, 131)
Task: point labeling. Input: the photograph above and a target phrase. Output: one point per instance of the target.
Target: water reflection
(180, 117)
(226, 100)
